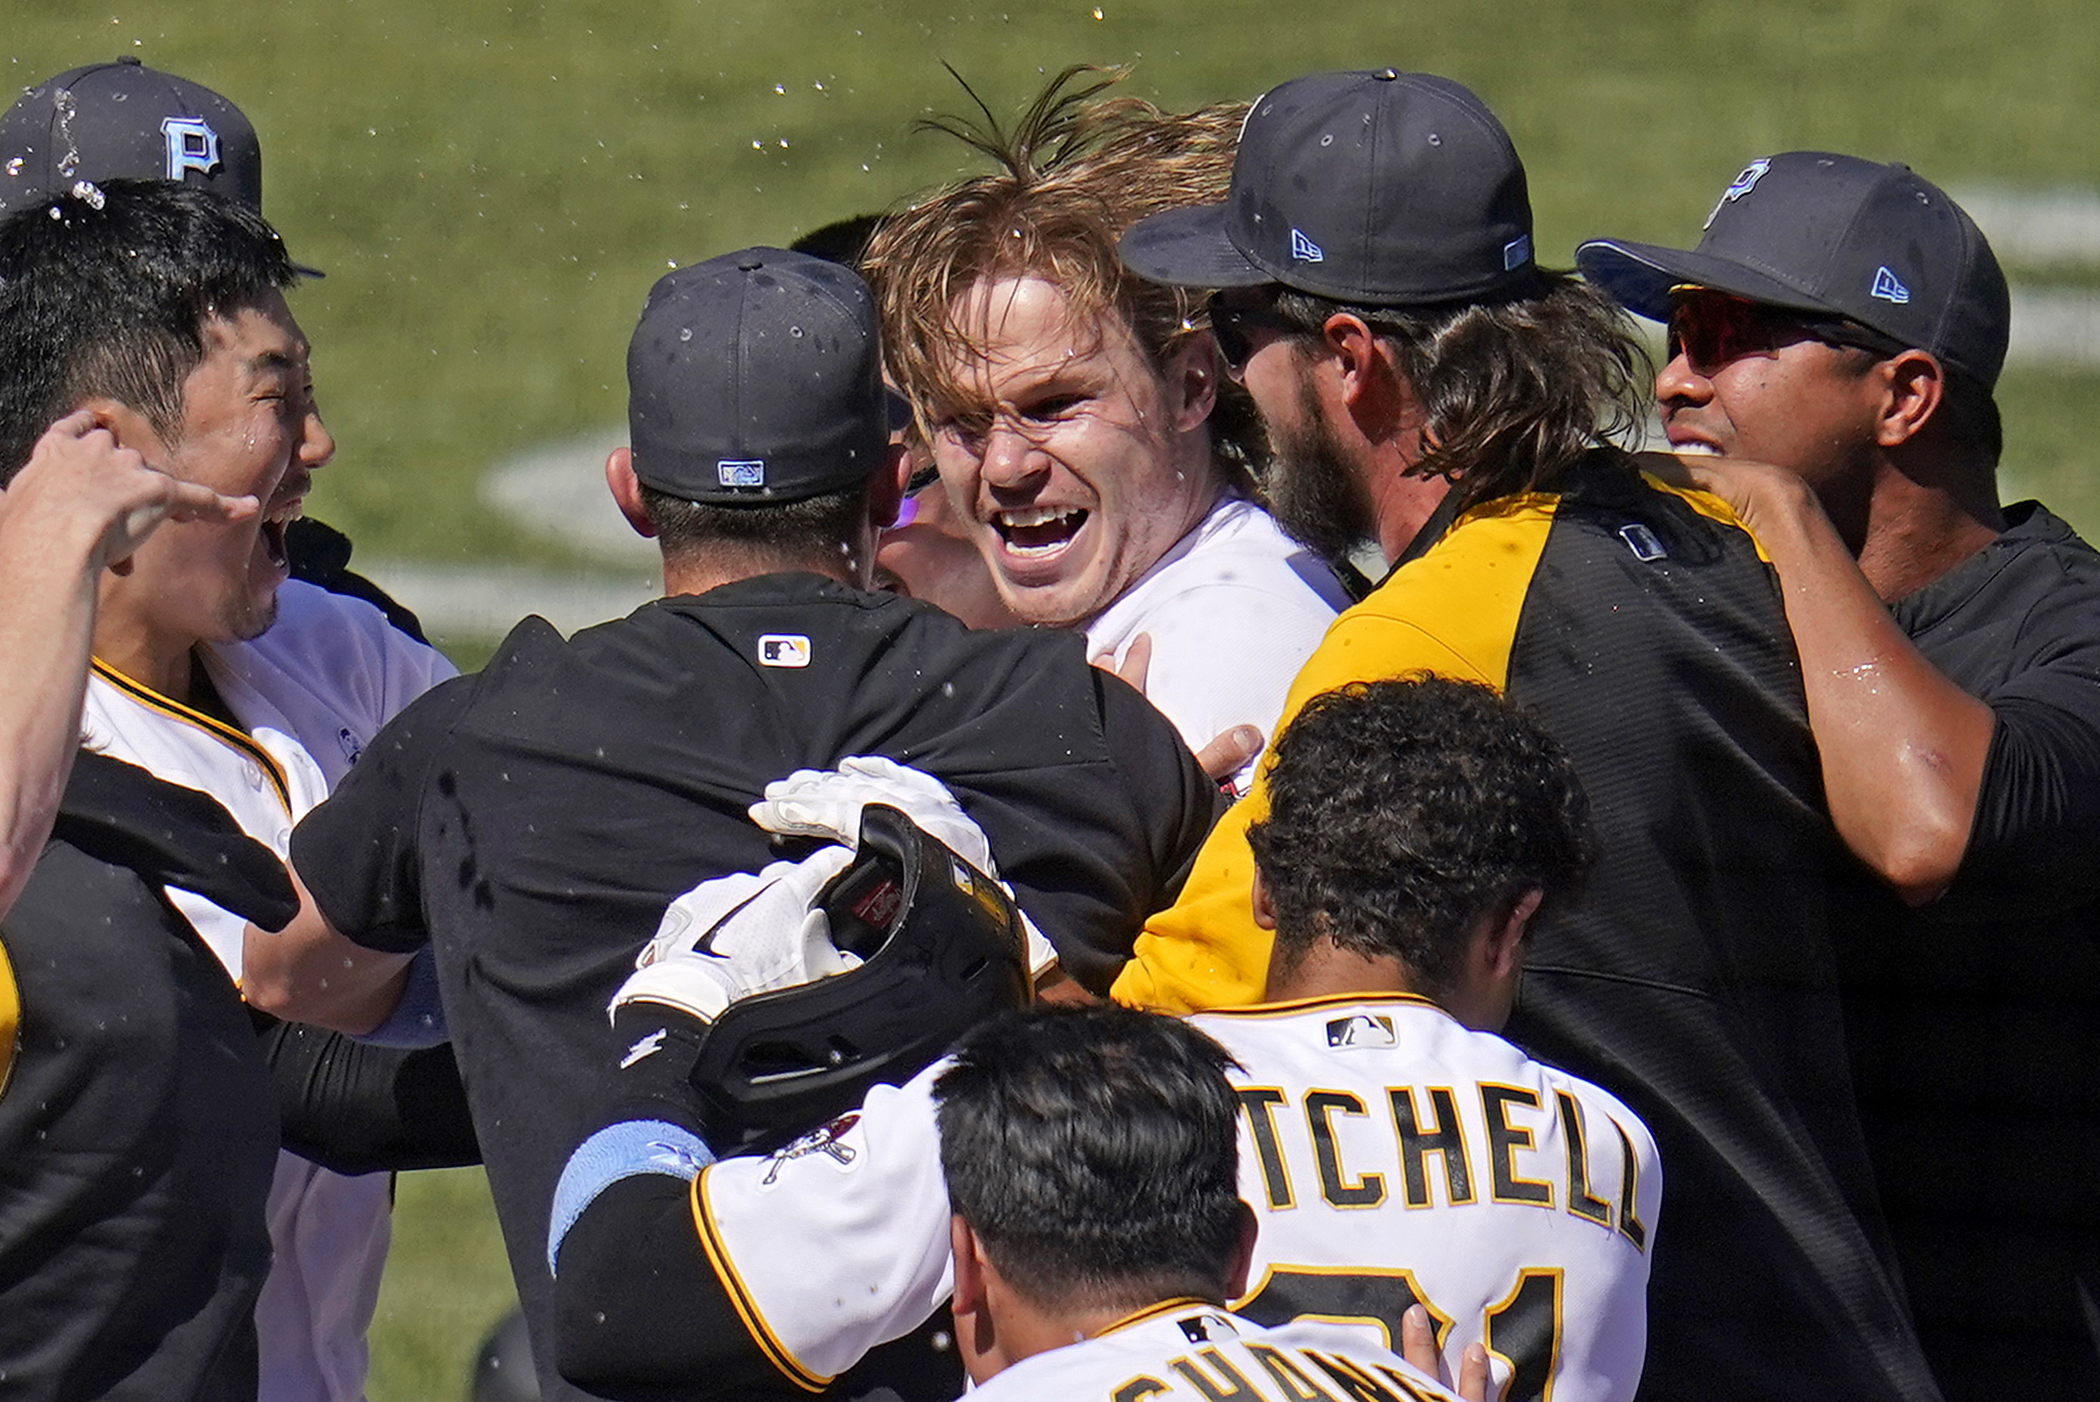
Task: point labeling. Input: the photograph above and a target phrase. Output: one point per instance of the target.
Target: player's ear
(886, 487)
(1242, 1255)
(128, 426)
(1503, 949)
(1914, 385)
(1264, 908)
(969, 1267)
(626, 490)
(1192, 382)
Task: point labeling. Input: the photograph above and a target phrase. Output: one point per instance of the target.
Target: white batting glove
(826, 803)
(738, 935)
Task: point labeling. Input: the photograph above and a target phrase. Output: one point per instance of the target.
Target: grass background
(493, 186)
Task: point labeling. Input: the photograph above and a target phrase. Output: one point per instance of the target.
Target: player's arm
(1903, 748)
(751, 1276)
(309, 972)
(80, 505)
(343, 961)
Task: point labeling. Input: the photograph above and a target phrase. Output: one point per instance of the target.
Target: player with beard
(1075, 411)
(1383, 307)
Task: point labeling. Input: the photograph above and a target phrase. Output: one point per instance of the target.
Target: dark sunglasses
(1713, 329)
(1229, 324)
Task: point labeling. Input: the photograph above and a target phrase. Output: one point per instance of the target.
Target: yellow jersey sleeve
(1452, 612)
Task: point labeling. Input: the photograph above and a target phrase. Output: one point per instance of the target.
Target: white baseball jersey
(1397, 1157)
(1233, 611)
(309, 693)
(1517, 1205)
(1187, 1349)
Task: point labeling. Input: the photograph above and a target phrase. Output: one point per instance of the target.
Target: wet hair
(819, 528)
(1076, 170)
(1403, 811)
(105, 291)
(1094, 1152)
(1515, 388)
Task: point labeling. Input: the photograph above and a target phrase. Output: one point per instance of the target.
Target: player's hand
(1418, 1346)
(826, 803)
(78, 480)
(1227, 753)
(738, 935)
(1755, 491)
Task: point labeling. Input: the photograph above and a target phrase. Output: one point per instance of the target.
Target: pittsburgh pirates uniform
(1398, 1157)
(531, 823)
(1233, 609)
(1696, 974)
(1187, 1349)
(309, 694)
(1394, 1156)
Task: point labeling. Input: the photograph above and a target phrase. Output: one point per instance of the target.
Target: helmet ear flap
(942, 948)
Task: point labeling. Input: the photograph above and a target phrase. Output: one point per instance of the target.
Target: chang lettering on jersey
(1186, 1349)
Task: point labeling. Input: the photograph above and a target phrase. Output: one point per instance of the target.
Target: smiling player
(1075, 411)
(158, 310)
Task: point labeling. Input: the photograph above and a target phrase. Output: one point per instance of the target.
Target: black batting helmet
(942, 949)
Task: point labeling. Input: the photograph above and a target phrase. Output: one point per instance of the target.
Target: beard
(1312, 490)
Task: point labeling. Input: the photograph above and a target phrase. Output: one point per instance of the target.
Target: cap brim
(1641, 276)
(1188, 248)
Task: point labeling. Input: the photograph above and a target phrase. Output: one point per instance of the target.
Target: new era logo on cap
(1304, 250)
(1889, 288)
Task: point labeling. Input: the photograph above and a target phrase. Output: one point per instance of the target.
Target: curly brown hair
(1076, 170)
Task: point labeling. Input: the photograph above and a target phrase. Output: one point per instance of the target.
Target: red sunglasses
(1713, 329)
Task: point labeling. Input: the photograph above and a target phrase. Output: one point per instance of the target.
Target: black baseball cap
(1396, 189)
(123, 119)
(755, 379)
(1810, 231)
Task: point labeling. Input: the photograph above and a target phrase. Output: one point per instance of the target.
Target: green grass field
(493, 186)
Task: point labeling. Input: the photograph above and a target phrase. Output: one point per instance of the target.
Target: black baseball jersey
(1976, 1020)
(1695, 977)
(534, 821)
(138, 1124)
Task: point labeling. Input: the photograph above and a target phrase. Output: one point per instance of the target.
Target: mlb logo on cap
(749, 472)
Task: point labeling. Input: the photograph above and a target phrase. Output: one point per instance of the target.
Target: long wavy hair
(1076, 169)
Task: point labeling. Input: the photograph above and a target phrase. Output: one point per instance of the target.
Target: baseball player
(1844, 321)
(1397, 1152)
(1429, 384)
(1076, 416)
(79, 505)
(532, 824)
(123, 120)
(210, 668)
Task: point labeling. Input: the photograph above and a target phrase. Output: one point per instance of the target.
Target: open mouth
(1038, 530)
(274, 527)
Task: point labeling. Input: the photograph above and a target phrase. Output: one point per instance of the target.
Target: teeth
(1695, 450)
(1033, 516)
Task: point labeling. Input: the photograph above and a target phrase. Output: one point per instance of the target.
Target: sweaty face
(1072, 464)
(249, 427)
(1792, 401)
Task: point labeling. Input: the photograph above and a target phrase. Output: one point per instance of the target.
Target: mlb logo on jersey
(783, 650)
(1361, 1030)
(741, 472)
(192, 145)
